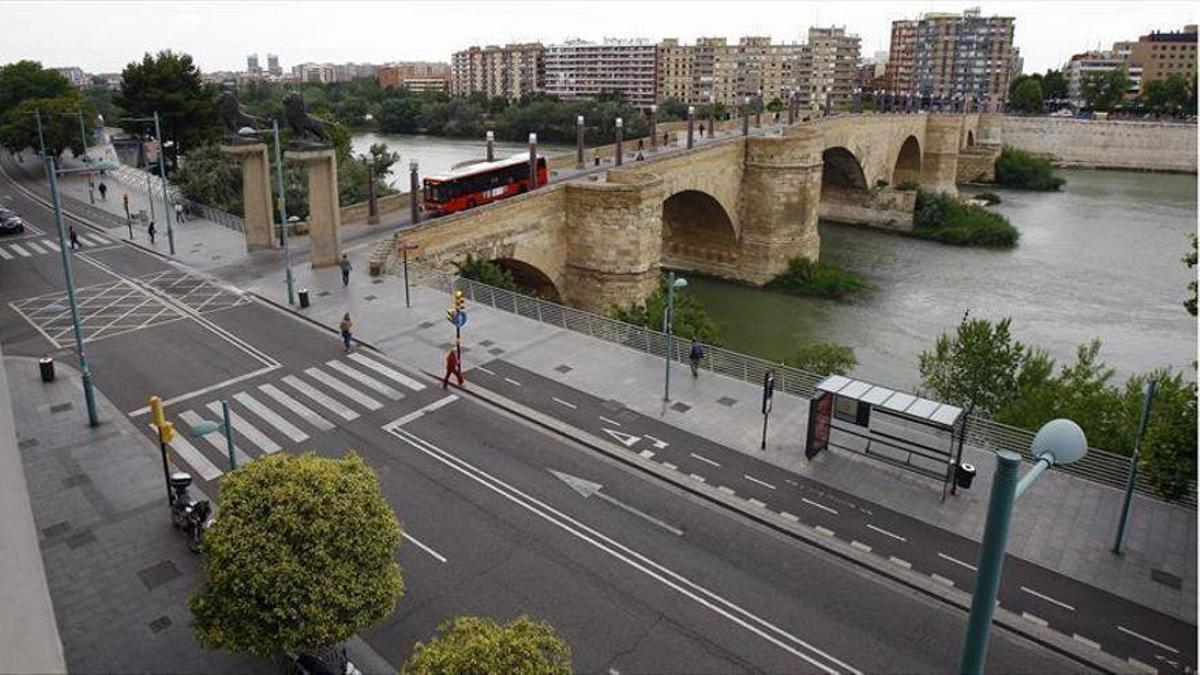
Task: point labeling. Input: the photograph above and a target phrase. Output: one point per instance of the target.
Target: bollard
(46, 368)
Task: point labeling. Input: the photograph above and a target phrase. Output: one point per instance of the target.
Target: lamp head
(247, 131)
(691, 110)
(532, 138)
(491, 135)
(1060, 441)
(680, 282)
(620, 122)
(412, 165)
(579, 120)
(653, 108)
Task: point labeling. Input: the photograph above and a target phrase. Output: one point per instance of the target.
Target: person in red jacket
(453, 367)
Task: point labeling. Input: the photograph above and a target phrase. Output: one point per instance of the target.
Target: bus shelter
(910, 432)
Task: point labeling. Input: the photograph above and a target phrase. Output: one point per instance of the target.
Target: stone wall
(977, 165)
(886, 208)
(354, 213)
(1139, 146)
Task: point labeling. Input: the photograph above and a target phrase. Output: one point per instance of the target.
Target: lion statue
(234, 117)
(304, 126)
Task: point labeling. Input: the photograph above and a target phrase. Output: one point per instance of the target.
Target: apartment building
(1163, 54)
(712, 71)
(581, 69)
(828, 70)
(1087, 64)
(675, 75)
(415, 76)
(511, 71)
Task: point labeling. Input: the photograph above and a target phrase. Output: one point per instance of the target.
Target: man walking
(103, 191)
(179, 214)
(344, 263)
(74, 238)
(695, 355)
(150, 231)
(453, 367)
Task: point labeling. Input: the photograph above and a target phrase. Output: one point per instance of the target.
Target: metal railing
(136, 179)
(1099, 466)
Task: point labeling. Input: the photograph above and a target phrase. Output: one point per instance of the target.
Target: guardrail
(1099, 466)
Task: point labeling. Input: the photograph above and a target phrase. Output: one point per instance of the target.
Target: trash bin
(46, 368)
(964, 475)
(303, 298)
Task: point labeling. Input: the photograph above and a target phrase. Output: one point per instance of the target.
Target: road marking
(608, 421)
(823, 530)
(486, 370)
(5, 254)
(252, 434)
(956, 561)
(1035, 619)
(752, 479)
(193, 457)
(787, 516)
(364, 379)
(726, 490)
(388, 371)
(696, 477)
(790, 481)
(343, 388)
(94, 238)
(880, 530)
(216, 438)
(1047, 598)
(657, 443)
(587, 488)
(942, 580)
(810, 502)
(436, 556)
(53, 246)
(670, 466)
(1091, 643)
(572, 406)
(422, 411)
(704, 459)
(310, 391)
(901, 562)
(664, 575)
(512, 382)
(647, 453)
(1144, 667)
(34, 247)
(271, 417)
(1156, 643)
(297, 407)
(18, 249)
(860, 546)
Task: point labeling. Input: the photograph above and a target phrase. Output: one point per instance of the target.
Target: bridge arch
(907, 167)
(841, 171)
(528, 276)
(698, 232)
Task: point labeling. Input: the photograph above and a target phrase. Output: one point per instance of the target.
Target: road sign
(459, 319)
(768, 391)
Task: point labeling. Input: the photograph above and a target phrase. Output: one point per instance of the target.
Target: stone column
(988, 133)
(324, 217)
(256, 193)
(939, 161)
(780, 191)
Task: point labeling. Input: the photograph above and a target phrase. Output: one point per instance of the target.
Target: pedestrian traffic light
(460, 303)
(166, 430)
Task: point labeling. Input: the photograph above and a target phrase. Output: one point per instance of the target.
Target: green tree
(473, 645)
(672, 109)
(301, 556)
(1168, 450)
(1190, 261)
(381, 159)
(478, 268)
(60, 124)
(690, 319)
(170, 85)
(1054, 86)
(823, 358)
(1104, 91)
(211, 178)
(1027, 97)
(26, 80)
(398, 115)
(1019, 169)
(979, 365)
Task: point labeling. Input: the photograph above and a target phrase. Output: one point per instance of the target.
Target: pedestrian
(695, 355)
(702, 129)
(345, 327)
(453, 367)
(150, 231)
(639, 157)
(666, 138)
(596, 157)
(641, 144)
(103, 191)
(74, 238)
(344, 263)
(179, 214)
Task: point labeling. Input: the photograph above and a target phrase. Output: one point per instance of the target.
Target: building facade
(675, 77)
(273, 68)
(252, 66)
(74, 74)
(829, 70)
(1161, 55)
(712, 71)
(581, 69)
(510, 72)
(415, 76)
(1087, 64)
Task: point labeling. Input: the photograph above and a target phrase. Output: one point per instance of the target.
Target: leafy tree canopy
(1105, 91)
(690, 319)
(823, 358)
(472, 645)
(25, 80)
(59, 121)
(1027, 97)
(170, 85)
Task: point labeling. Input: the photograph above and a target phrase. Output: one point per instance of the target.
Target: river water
(435, 154)
(1101, 259)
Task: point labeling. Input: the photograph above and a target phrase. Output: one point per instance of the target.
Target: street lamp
(206, 427)
(1059, 441)
(162, 174)
(668, 319)
(285, 223)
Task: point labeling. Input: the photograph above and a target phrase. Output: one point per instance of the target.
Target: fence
(137, 180)
(1099, 466)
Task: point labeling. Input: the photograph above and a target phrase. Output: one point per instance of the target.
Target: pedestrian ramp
(18, 249)
(287, 413)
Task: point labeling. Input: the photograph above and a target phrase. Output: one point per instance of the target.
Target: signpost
(404, 249)
(457, 316)
(768, 398)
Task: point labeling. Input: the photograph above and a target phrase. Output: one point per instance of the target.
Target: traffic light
(460, 302)
(166, 430)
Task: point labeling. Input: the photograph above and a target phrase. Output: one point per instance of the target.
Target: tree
(1027, 97)
(978, 366)
(301, 556)
(381, 159)
(478, 268)
(25, 80)
(170, 85)
(1103, 91)
(823, 358)
(1190, 261)
(690, 319)
(672, 109)
(471, 645)
(1168, 450)
(60, 124)
(1054, 86)
(211, 178)
(398, 114)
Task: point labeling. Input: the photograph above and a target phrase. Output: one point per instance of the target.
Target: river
(435, 154)
(1101, 258)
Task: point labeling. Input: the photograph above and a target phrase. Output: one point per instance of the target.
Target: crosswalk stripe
(194, 458)
(297, 407)
(5, 254)
(248, 430)
(94, 238)
(271, 417)
(343, 388)
(51, 245)
(18, 249)
(365, 379)
(216, 438)
(34, 247)
(387, 371)
(332, 404)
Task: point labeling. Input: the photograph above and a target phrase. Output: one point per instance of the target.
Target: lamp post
(205, 427)
(414, 214)
(620, 128)
(83, 143)
(745, 115)
(579, 141)
(285, 223)
(668, 319)
(533, 172)
(490, 136)
(162, 174)
(653, 127)
(758, 109)
(691, 123)
(1059, 441)
(1147, 401)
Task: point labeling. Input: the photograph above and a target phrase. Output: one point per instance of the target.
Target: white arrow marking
(661, 445)
(628, 440)
(587, 488)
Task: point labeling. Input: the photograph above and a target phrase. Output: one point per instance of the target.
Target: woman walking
(346, 326)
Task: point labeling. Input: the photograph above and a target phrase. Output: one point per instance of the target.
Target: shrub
(478, 268)
(804, 277)
(468, 645)
(823, 358)
(1019, 169)
(943, 218)
(691, 320)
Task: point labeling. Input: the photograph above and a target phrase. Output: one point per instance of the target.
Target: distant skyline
(104, 37)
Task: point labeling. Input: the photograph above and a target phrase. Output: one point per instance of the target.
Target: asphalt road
(639, 577)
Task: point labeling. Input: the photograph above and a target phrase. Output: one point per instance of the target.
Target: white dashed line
(763, 483)
(572, 406)
(728, 491)
(1035, 619)
(1082, 640)
(880, 530)
(790, 481)
(787, 516)
(901, 562)
(819, 506)
(696, 477)
(489, 372)
(437, 556)
(860, 546)
(608, 421)
(956, 561)
(512, 382)
(647, 453)
(1047, 598)
(942, 580)
(759, 504)
(823, 530)
(1139, 636)
(1144, 667)
(704, 459)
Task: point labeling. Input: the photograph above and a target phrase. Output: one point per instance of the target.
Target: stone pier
(324, 214)
(256, 192)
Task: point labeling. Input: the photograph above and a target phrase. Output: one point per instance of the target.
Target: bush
(1019, 169)
(823, 358)
(804, 277)
(469, 645)
(478, 268)
(691, 320)
(943, 218)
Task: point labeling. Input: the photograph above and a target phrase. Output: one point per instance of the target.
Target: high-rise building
(1161, 55)
(415, 76)
(580, 69)
(252, 66)
(712, 71)
(675, 78)
(828, 69)
(511, 71)
(273, 65)
(947, 60)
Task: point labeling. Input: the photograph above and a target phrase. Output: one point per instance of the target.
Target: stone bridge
(737, 208)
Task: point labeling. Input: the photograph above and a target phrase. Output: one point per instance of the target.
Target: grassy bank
(1021, 170)
(944, 218)
(804, 277)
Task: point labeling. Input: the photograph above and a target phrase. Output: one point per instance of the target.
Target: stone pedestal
(256, 192)
(939, 163)
(324, 215)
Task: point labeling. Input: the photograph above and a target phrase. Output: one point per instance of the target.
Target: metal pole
(162, 173)
(758, 110)
(691, 124)
(284, 225)
(991, 561)
(791, 109)
(667, 320)
(763, 445)
(490, 136)
(150, 195)
(162, 450)
(404, 254)
(745, 116)
(41, 137)
(712, 122)
(533, 172)
(228, 434)
(83, 142)
(89, 396)
(579, 141)
(414, 214)
(620, 139)
(372, 206)
(1147, 400)
(654, 127)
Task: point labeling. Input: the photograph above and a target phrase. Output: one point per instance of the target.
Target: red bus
(470, 185)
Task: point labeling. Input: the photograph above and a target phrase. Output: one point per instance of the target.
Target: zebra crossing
(29, 247)
(285, 413)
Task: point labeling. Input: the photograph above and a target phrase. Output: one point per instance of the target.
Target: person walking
(150, 231)
(453, 367)
(666, 138)
(103, 191)
(179, 214)
(702, 130)
(74, 238)
(346, 326)
(695, 355)
(344, 263)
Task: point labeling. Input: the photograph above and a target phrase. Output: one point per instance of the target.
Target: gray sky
(104, 36)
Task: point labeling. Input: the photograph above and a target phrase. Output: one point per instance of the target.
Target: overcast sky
(104, 36)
